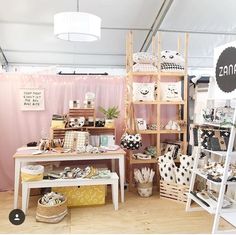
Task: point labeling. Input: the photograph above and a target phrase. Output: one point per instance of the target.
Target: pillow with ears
(168, 56)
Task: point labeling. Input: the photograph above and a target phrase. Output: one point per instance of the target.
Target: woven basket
(145, 190)
(51, 214)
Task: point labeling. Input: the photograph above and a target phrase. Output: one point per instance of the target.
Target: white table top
(27, 153)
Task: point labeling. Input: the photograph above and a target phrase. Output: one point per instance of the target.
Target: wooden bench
(26, 186)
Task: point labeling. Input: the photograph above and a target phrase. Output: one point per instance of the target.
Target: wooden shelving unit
(59, 133)
(157, 104)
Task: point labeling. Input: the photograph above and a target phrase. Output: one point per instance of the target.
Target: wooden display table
(26, 156)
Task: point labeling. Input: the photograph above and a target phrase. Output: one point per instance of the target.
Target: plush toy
(89, 100)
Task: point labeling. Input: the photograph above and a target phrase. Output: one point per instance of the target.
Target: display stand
(229, 213)
(156, 104)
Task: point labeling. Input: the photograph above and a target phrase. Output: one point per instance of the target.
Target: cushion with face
(168, 56)
(143, 91)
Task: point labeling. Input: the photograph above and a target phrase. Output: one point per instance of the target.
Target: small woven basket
(51, 214)
(145, 190)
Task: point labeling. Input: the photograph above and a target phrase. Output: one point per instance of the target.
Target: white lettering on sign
(227, 70)
(32, 99)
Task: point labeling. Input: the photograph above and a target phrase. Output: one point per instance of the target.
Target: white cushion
(168, 56)
(144, 58)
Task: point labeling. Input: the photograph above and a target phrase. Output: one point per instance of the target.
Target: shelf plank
(213, 182)
(179, 74)
(172, 131)
(220, 153)
(145, 102)
(215, 125)
(159, 102)
(171, 102)
(83, 127)
(147, 132)
(210, 210)
(161, 73)
(139, 161)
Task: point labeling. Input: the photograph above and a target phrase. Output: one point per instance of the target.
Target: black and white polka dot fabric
(167, 168)
(131, 141)
(172, 174)
(186, 161)
(183, 176)
(167, 172)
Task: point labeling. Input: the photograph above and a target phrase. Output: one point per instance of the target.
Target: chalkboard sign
(32, 99)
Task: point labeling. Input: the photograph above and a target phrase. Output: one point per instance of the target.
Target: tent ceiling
(26, 29)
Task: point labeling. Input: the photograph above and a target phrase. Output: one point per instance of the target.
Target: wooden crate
(82, 113)
(173, 191)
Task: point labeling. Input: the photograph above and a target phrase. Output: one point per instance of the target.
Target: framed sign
(32, 99)
(225, 71)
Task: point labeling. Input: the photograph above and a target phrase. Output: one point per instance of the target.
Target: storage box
(32, 172)
(173, 191)
(83, 195)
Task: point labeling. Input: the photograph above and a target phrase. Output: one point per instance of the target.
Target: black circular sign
(17, 217)
(226, 70)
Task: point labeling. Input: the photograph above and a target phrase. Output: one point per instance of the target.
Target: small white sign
(32, 99)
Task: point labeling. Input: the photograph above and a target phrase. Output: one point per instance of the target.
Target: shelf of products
(198, 172)
(220, 171)
(155, 79)
(209, 209)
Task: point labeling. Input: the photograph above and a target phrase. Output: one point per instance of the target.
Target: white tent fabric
(26, 30)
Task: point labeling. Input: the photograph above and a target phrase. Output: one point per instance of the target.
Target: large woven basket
(51, 214)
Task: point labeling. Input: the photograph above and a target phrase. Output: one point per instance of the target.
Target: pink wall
(20, 127)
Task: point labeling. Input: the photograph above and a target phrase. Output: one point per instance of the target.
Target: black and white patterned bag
(131, 139)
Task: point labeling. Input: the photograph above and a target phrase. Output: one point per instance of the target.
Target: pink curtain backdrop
(20, 127)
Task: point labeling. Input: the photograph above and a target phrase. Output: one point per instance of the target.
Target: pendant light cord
(77, 5)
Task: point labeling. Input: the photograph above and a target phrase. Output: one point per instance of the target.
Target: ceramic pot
(110, 123)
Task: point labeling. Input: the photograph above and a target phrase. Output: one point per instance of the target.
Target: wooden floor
(136, 215)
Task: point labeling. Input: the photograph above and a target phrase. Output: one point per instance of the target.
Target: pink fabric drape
(20, 127)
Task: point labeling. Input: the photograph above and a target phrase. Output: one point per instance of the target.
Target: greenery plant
(110, 113)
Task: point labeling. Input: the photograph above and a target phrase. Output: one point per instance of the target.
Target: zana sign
(226, 70)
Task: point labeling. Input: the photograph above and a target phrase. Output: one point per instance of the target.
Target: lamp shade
(77, 26)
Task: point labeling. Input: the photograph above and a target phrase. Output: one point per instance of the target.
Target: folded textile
(171, 67)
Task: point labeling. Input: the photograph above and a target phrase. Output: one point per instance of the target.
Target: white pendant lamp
(77, 26)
